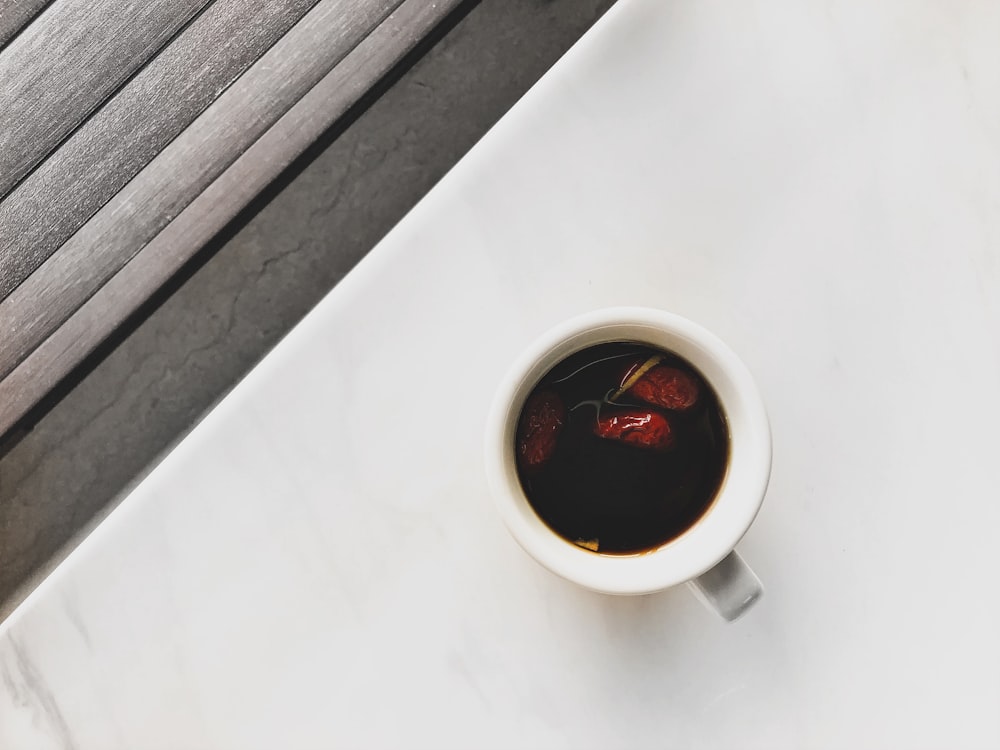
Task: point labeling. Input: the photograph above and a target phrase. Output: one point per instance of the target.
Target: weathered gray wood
(62, 66)
(14, 14)
(109, 149)
(332, 96)
(181, 171)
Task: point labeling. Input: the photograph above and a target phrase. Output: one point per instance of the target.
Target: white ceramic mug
(704, 555)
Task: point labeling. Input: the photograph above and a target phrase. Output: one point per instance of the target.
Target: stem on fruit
(632, 379)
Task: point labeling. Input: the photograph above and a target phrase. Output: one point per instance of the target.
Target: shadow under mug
(704, 555)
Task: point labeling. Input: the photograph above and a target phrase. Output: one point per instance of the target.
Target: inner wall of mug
(735, 503)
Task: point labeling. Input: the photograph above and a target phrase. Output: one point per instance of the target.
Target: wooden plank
(181, 171)
(122, 137)
(317, 110)
(65, 64)
(15, 14)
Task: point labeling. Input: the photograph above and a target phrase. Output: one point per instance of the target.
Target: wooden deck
(132, 132)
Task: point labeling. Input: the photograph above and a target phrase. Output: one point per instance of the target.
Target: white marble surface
(318, 565)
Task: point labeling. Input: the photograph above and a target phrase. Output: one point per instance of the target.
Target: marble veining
(28, 691)
(318, 564)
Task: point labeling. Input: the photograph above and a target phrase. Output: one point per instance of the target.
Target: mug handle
(730, 588)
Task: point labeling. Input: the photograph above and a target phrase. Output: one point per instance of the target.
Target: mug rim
(736, 502)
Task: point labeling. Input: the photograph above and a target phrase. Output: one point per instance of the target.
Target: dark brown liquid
(623, 498)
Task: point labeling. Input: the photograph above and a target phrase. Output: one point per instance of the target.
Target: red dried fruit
(644, 429)
(667, 387)
(541, 422)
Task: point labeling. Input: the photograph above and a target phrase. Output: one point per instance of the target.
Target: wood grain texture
(67, 62)
(14, 14)
(181, 171)
(319, 108)
(122, 137)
